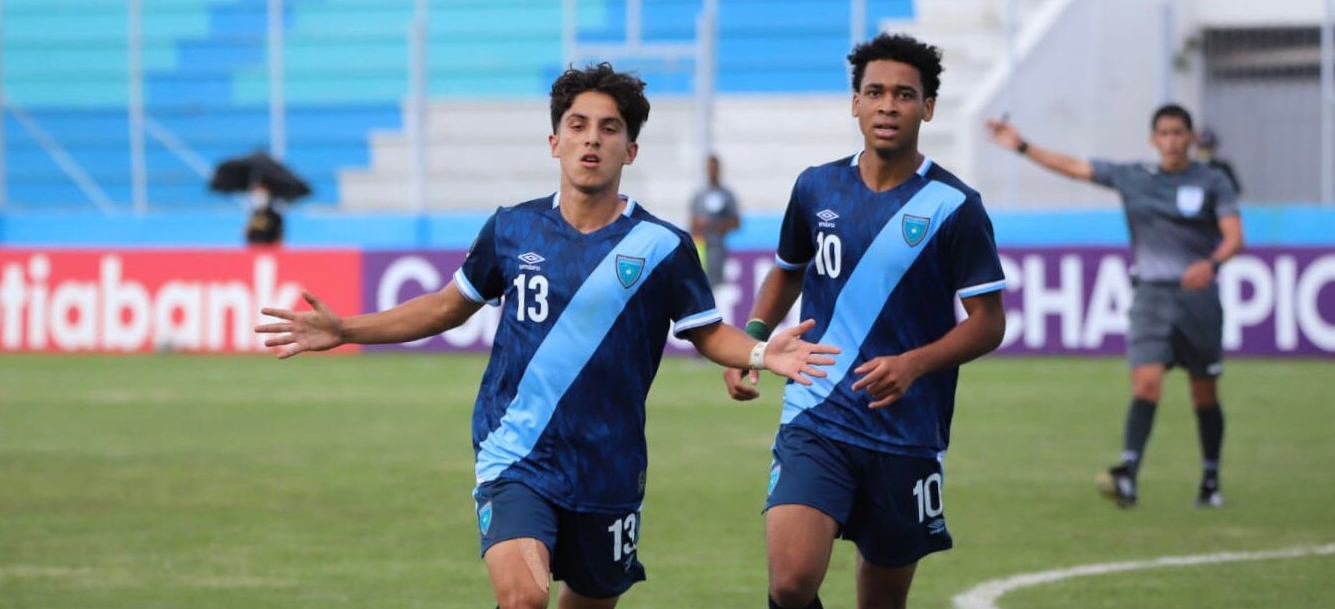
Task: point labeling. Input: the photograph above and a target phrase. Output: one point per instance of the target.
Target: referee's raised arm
(1007, 136)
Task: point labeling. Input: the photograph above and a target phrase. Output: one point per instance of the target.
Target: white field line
(985, 595)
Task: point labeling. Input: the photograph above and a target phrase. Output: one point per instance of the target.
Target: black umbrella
(241, 173)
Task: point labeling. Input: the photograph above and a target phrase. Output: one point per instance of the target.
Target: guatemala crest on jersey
(629, 269)
(915, 228)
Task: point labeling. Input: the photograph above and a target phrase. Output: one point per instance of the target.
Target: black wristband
(757, 329)
(1022, 148)
(1215, 264)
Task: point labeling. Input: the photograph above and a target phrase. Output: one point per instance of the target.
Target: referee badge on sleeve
(1190, 199)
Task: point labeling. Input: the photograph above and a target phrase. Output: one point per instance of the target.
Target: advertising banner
(166, 300)
(1059, 301)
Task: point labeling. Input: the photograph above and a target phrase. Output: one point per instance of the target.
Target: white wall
(1251, 13)
(1091, 82)
(1087, 88)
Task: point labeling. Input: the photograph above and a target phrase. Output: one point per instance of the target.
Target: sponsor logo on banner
(188, 300)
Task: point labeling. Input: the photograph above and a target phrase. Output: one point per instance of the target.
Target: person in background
(714, 214)
(1207, 143)
(265, 224)
(1184, 222)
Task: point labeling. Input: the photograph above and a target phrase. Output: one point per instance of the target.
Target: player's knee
(1204, 397)
(521, 597)
(793, 590)
(1147, 390)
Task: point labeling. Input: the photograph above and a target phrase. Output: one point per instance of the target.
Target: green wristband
(757, 329)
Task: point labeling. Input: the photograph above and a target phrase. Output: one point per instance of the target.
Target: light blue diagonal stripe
(568, 347)
(869, 286)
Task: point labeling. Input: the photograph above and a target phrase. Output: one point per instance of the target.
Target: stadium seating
(346, 67)
(198, 55)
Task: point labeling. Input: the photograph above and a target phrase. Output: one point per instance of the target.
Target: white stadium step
(484, 153)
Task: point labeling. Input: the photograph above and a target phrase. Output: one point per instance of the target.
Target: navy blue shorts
(594, 554)
(889, 505)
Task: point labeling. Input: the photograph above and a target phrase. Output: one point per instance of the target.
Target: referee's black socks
(1139, 422)
(1210, 424)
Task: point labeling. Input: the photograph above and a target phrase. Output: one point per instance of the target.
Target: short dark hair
(904, 49)
(626, 89)
(1171, 110)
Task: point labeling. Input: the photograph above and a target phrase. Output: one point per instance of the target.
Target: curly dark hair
(901, 48)
(625, 88)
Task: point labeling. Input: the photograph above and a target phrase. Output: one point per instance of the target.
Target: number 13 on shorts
(625, 532)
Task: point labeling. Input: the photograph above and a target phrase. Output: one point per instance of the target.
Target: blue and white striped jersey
(585, 318)
(882, 272)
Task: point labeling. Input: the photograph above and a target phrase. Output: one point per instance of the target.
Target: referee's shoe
(1209, 495)
(1118, 484)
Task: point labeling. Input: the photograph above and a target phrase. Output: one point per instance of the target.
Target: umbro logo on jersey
(530, 261)
(629, 269)
(827, 218)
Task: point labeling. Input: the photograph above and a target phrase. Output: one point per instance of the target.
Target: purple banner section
(1059, 301)
(392, 277)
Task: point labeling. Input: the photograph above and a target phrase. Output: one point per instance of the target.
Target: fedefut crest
(484, 518)
(915, 228)
(629, 269)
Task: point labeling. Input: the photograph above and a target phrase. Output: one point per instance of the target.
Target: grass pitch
(344, 481)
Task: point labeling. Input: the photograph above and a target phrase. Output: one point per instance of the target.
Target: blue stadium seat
(346, 66)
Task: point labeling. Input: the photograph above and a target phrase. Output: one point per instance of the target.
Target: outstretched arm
(786, 354)
(889, 377)
(776, 296)
(321, 329)
(1007, 136)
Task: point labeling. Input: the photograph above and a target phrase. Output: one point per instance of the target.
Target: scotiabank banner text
(179, 300)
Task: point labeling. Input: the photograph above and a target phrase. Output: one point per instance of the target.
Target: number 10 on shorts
(928, 493)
